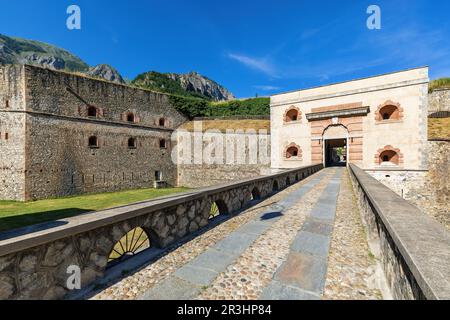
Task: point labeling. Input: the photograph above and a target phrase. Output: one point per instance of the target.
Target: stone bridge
(34, 262)
(290, 235)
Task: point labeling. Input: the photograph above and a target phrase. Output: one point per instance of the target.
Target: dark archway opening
(275, 186)
(218, 208)
(288, 181)
(256, 195)
(130, 117)
(336, 153)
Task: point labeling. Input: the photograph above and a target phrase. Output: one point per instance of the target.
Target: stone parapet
(414, 249)
(34, 261)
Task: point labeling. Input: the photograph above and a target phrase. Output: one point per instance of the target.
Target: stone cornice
(338, 113)
(351, 92)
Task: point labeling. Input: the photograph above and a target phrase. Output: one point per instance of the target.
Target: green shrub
(194, 107)
(439, 84)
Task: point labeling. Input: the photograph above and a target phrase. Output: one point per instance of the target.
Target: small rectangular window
(6, 136)
(158, 175)
(7, 104)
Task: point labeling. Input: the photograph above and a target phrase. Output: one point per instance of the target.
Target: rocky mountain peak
(106, 72)
(195, 82)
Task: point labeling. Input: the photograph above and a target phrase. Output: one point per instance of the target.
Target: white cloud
(259, 64)
(267, 88)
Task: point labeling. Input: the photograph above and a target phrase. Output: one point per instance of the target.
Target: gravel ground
(351, 267)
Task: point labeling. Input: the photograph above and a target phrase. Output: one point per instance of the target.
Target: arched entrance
(335, 146)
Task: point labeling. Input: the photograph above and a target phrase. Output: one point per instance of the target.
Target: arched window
(92, 112)
(162, 122)
(293, 151)
(292, 115)
(93, 142)
(389, 156)
(163, 143)
(389, 111)
(131, 117)
(132, 143)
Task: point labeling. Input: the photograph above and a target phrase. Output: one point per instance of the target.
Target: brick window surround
(389, 154)
(293, 152)
(130, 116)
(389, 111)
(292, 115)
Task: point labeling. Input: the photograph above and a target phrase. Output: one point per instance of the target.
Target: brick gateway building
(63, 134)
(378, 123)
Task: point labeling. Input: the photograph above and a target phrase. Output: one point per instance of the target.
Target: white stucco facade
(357, 111)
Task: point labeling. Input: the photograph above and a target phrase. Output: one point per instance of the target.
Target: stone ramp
(302, 276)
(188, 281)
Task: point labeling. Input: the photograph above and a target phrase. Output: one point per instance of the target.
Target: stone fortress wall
(12, 133)
(429, 190)
(84, 135)
(439, 100)
(256, 161)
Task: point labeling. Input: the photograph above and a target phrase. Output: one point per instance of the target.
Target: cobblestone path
(278, 249)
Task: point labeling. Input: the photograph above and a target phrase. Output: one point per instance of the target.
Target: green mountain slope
(162, 83)
(17, 50)
(192, 85)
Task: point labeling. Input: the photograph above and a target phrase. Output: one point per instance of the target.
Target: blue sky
(248, 46)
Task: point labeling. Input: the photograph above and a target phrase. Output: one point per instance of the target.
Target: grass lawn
(439, 128)
(19, 214)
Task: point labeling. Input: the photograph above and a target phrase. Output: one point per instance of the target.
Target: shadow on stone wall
(45, 220)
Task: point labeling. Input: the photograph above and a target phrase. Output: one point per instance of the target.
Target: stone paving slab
(196, 275)
(325, 212)
(213, 260)
(303, 271)
(278, 291)
(172, 288)
(254, 227)
(306, 266)
(317, 226)
(237, 242)
(314, 244)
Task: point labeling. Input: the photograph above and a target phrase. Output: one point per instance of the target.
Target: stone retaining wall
(34, 265)
(439, 100)
(255, 152)
(413, 248)
(429, 190)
